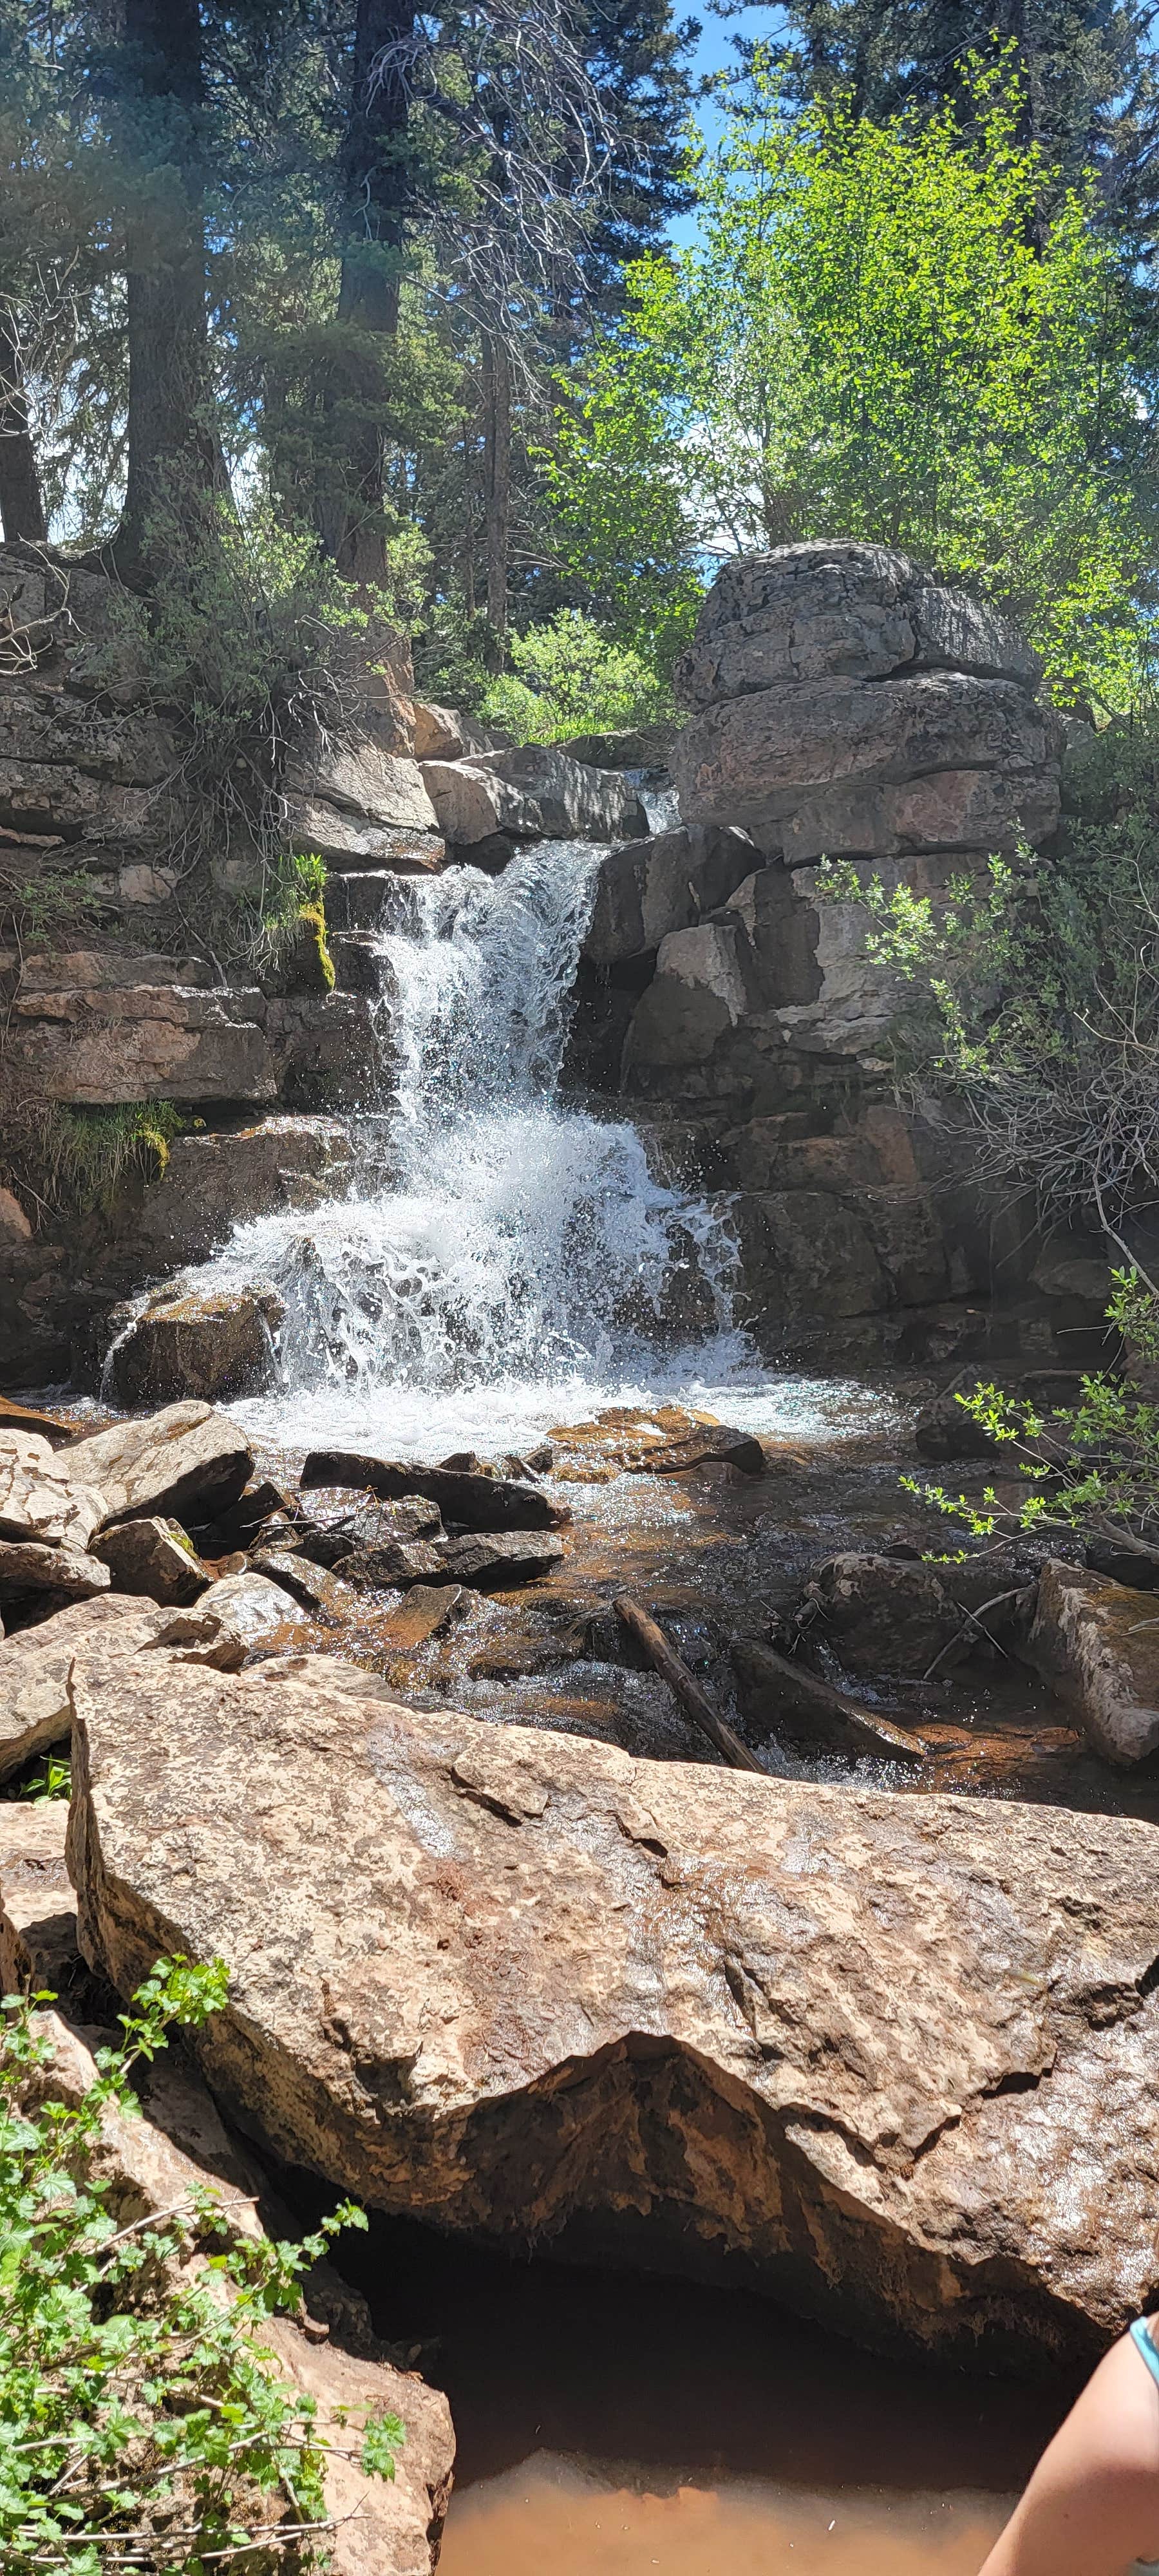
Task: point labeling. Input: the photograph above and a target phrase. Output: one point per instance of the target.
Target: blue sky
(714, 54)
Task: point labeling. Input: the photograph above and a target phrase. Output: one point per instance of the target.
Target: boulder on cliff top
(186, 1455)
(893, 2059)
(833, 609)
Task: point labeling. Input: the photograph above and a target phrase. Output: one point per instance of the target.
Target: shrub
(569, 678)
(1092, 1465)
(142, 2422)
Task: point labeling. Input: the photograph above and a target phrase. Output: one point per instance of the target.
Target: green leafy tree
(143, 2422)
(569, 679)
(874, 337)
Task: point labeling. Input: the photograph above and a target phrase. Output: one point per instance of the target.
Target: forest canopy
(399, 290)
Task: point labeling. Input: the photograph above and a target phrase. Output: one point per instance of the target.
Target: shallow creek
(609, 2427)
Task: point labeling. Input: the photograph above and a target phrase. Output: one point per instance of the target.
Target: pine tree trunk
(496, 492)
(376, 190)
(173, 455)
(21, 501)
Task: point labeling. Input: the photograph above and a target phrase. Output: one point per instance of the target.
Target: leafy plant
(571, 678)
(293, 921)
(1029, 992)
(1092, 1465)
(142, 2422)
(912, 332)
(84, 1154)
(55, 1781)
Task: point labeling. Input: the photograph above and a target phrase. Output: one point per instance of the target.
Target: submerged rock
(1097, 1641)
(894, 2060)
(476, 1500)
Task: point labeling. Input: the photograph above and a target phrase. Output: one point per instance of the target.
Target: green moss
(312, 917)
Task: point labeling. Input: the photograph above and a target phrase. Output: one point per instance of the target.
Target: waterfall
(502, 1254)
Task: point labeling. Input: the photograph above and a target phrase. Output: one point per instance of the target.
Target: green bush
(1093, 1465)
(142, 2422)
(569, 678)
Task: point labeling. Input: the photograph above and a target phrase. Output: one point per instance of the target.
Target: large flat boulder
(188, 1454)
(474, 1499)
(104, 1044)
(895, 2060)
(755, 760)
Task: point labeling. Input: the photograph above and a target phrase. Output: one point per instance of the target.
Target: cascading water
(519, 1258)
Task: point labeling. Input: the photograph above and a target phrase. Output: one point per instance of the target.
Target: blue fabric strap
(1142, 2342)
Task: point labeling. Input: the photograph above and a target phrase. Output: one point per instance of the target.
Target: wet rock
(837, 2043)
(29, 1417)
(780, 1697)
(214, 1343)
(1125, 1561)
(476, 1501)
(322, 1594)
(44, 1494)
(70, 1572)
(880, 1614)
(489, 1560)
(1097, 1642)
(34, 1669)
(376, 1524)
(398, 1561)
(154, 1560)
(253, 1613)
(187, 1460)
(212, 1182)
(709, 1445)
(655, 886)
(383, 2528)
(426, 1611)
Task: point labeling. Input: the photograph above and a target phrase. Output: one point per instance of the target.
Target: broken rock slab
(154, 1560)
(45, 1498)
(69, 1572)
(893, 2060)
(187, 1455)
(34, 1669)
(1097, 1641)
(475, 1501)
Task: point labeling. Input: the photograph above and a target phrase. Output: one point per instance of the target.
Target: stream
(507, 1265)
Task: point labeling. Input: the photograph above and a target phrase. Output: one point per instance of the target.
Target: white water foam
(523, 1264)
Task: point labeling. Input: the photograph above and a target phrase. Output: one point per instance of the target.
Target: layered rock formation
(843, 705)
(892, 2059)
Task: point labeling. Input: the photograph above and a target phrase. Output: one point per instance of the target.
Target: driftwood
(672, 1669)
(779, 1689)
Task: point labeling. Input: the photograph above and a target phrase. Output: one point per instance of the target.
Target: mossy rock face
(214, 1347)
(309, 965)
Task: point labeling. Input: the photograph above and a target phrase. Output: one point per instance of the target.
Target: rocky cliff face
(843, 705)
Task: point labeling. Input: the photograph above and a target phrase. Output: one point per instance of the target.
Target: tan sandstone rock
(215, 1343)
(34, 1669)
(45, 1498)
(893, 2059)
(186, 1454)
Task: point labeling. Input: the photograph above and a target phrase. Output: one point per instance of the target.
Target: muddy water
(616, 2426)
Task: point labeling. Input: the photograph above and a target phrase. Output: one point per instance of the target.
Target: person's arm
(1092, 2505)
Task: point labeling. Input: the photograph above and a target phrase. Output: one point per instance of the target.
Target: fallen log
(662, 1656)
(774, 1690)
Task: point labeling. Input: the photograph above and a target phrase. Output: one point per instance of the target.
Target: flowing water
(504, 1258)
